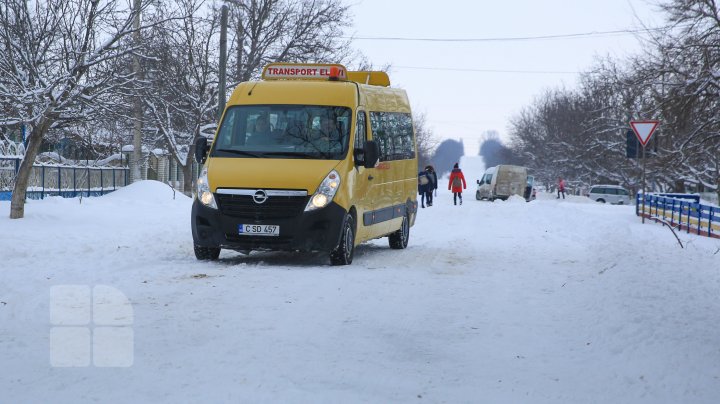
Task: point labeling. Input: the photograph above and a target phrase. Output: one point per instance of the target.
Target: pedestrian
(433, 181)
(561, 188)
(424, 187)
(457, 183)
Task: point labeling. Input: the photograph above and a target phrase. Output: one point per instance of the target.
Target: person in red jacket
(457, 183)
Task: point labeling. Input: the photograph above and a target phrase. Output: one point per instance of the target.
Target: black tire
(343, 253)
(601, 200)
(207, 253)
(399, 239)
(477, 196)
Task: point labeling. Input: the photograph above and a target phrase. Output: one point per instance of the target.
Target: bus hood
(247, 173)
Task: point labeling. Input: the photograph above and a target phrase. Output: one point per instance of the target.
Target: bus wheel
(206, 253)
(343, 253)
(400, 238)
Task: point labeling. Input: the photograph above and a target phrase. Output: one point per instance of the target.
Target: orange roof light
(334, 73)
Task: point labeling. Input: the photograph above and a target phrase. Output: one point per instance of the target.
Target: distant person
(457, 183)
(434, 182)
(561, 188)
(424, 188)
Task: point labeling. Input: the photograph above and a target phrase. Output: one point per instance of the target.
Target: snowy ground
(542, 302)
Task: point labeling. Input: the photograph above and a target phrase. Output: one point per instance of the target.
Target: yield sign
(644, 130)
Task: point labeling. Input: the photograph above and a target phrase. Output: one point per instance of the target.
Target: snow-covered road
(548, 301)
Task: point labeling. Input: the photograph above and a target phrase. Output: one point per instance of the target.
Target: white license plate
(259, 229)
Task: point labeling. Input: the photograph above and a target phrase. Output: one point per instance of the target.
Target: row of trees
(102, 69)
(580, 133)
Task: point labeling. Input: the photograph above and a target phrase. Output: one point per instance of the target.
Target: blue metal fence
(682, 211)
(62, 180)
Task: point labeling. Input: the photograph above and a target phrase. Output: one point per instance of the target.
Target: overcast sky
(464, 104)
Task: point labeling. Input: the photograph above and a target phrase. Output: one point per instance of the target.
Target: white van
(501, 182)
(614, 194)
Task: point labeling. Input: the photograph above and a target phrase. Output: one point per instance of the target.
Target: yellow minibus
(311, 157)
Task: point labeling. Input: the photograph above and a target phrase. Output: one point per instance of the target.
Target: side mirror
(372, 154)
(359, 155)
(478, 181)
(201, 149)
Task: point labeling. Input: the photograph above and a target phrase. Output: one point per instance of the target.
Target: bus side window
(379, 125)
(360, 131)
(407, 134)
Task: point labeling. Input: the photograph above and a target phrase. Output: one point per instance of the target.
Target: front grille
(275, 207)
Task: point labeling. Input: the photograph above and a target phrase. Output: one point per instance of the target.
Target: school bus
(312, 157)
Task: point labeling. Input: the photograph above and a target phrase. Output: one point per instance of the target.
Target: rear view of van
(501, 182)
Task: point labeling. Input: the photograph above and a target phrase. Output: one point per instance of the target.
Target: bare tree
(687, 69)
(287, 31)
(676, 81)
(425, 139)
(180, 92)
(56, 68)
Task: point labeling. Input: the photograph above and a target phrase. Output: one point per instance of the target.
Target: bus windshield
(284, 131)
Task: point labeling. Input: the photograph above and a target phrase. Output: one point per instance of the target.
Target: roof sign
(293, 71)
(644, 130)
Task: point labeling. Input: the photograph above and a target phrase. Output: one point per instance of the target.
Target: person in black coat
(425, 187)
(434, 183)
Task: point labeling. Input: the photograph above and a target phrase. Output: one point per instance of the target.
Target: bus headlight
(325, 192)
(203, 191)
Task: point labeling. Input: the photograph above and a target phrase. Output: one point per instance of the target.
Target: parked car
(502, 181)
(614, 194)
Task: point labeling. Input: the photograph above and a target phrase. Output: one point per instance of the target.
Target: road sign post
(644, 131)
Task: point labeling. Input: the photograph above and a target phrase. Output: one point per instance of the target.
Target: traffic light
(632, 145)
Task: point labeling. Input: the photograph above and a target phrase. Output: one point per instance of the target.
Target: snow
(128, 148)
(473, 167)
(514, 199)
(544, 302)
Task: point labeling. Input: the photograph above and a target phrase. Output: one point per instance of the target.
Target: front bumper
(318, 230)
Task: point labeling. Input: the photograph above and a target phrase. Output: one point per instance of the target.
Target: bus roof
(316, 92)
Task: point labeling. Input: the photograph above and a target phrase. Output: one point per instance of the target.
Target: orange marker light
(334, 73)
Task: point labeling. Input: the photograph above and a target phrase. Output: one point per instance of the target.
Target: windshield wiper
(292, 154)
(240, 152)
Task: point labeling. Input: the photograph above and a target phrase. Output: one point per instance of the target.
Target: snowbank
(513, 199)
(146, 191)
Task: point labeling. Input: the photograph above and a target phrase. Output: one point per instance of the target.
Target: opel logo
(260, 196)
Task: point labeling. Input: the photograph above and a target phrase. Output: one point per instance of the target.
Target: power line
(507, 39)
(457, 69)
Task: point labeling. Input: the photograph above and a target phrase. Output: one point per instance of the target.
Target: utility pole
(137, 108)
(223, 60)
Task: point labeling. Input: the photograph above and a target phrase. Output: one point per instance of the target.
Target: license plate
(259, 229)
